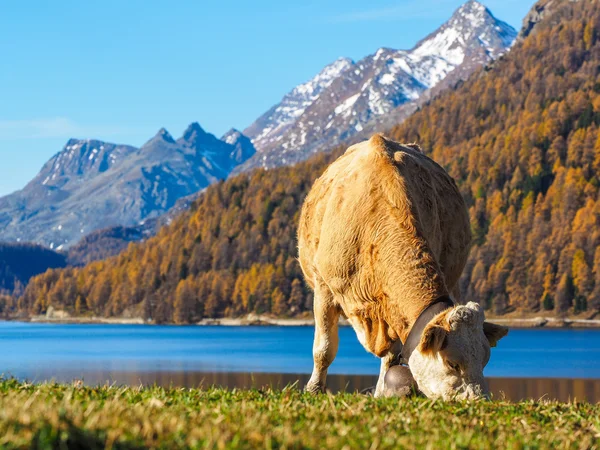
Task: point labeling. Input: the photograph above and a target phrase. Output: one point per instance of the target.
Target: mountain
(111, 241)
(92, 185)
(541, 10)
(520, 139)
(349, 98)
(275, 122)
(244, 148)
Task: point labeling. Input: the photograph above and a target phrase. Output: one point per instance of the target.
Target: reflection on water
(513, 389)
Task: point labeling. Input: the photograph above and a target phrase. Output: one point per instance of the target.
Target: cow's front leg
(326, 339)
(387, 361)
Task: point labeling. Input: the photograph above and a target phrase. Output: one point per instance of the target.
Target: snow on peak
(330, 73)
(345, 95)
(470, 25)
(448, 45)
(473, 10)
(293, 105)
(81, 158)
(243, 148)
(232, 136)
(346, 106)
(307, 92)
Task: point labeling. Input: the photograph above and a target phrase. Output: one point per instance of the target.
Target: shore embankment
(534, 322)
(257, 320)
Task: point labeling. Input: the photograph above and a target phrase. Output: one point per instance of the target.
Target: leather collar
(414, 336)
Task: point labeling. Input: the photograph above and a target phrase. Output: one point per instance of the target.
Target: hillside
(520, 138)
(111, 241)
(522, 141)
(20, 262)
(349, 97)
(104, 243)
(91, 185)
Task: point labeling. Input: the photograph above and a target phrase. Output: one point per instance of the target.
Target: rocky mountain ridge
(348, 97)
(91, 185)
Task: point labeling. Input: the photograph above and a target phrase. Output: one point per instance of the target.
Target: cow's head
(454, 348)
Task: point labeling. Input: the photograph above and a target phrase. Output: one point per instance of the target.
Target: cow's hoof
(315, 388)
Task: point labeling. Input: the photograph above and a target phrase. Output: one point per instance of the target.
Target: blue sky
(119, 70)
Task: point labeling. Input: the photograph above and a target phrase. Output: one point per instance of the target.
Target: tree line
(521, 139)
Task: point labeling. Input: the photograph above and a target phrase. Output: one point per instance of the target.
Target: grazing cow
(383, 237)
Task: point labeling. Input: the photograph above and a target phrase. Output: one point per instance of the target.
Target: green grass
(73, 416)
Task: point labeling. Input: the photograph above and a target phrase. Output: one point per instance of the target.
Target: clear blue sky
(118, 70)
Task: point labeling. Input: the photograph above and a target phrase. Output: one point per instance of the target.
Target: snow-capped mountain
(470, 29)
(265, 130)
(350, 98)
(92, 185)
(82, 156)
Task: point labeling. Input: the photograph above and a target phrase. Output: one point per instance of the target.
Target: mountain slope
(357, 96)
(20, 262)
(265, 130)
(521, 140)
(105, 243)
(91, 184)
(243, 147)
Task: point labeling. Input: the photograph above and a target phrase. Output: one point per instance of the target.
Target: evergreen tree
(184, 303)
(564, 294)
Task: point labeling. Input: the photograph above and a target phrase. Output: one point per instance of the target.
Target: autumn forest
(521, 138)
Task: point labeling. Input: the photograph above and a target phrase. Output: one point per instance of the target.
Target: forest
(521, 140)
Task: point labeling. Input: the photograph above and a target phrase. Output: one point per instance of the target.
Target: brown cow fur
(383, 233)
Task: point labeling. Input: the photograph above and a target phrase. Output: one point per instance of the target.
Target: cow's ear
(433, 340)
(494, 332)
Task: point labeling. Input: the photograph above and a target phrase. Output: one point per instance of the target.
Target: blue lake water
(30, 350)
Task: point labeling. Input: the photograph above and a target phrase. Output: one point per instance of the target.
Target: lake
(142, 353)
(28, 348)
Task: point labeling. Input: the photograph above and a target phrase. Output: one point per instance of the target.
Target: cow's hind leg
(326, 340)
(387, 361)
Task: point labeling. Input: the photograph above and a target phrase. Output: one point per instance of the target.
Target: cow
(383, 237)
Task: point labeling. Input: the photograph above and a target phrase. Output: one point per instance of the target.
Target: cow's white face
(455, 347)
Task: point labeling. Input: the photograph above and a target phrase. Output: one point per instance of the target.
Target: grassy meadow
(55, 416)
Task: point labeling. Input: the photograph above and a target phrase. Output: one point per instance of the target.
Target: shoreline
(252, 320)
(536, 322)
